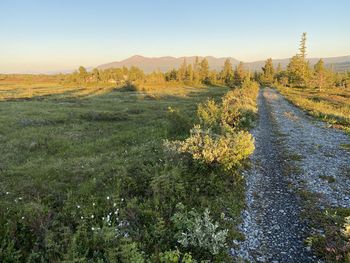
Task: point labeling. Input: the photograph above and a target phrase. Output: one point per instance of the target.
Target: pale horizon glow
(40, 36)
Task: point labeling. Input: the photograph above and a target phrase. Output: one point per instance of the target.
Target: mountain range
(150, 64)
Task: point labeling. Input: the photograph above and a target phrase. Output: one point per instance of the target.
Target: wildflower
(19, 198)
(92, 228)
(22, 217)
(93, 204)
(81, 217)
(114, 204)
(107, 197)
(7, 193)
(92, 216)
(78, 206)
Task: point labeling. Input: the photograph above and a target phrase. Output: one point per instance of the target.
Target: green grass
(49, 145)
(66, 157)
(331, 105)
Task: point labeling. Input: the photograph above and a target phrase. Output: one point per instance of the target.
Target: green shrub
(199, 232)
(228, 150)
(209, 113)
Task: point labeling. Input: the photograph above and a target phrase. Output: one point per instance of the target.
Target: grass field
(331, 105)
(70, 156)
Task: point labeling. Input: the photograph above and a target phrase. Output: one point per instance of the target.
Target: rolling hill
(149, 64)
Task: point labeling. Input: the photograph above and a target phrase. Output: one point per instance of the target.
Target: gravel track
(286, 139)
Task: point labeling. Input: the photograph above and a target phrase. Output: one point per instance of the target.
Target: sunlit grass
(331, 105)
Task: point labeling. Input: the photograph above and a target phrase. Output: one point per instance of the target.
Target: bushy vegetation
(222, 139)
(87, 179)
(330, 235)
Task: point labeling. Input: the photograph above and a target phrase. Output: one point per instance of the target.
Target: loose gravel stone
(286, 138)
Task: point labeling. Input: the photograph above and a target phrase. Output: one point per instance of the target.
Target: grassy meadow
(84, 175)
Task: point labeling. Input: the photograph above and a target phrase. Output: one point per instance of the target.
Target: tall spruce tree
(320, 74)
(302, 47)
(239, 74)
(204, 71)
(268, 74)
(298, 68)
(227, 73)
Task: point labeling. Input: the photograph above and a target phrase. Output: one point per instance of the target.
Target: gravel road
(293, 151)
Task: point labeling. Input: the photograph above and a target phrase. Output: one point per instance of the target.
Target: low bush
(223, 140)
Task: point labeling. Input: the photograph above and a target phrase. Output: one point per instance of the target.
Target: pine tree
(320, 76)
(227, 73)
(239, 74)
(181, 74)
(204, 71)
(189, 74)
(302, 48)
(268, 72)
(298, 68)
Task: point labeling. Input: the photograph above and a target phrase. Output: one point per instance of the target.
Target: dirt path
(292, 151)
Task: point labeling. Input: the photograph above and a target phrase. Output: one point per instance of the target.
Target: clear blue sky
(45, 35)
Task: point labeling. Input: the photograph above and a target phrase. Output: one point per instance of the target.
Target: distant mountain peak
(165, 63)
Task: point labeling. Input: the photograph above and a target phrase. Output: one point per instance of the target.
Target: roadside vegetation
(324, 94)
(116, 172)
(320, 91)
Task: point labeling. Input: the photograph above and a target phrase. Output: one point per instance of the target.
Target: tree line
(299, 73)
(191, 74)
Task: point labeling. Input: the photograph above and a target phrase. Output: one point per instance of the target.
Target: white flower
(114, 204)
(92, 228)
(107, 197)
(92, 216)
(81, 217)
(93, 204)
(22, 217)
(78, 206)
(7, 193)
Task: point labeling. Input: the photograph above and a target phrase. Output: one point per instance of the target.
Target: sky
(55, 35)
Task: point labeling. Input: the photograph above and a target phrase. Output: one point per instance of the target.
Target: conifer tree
(196, 69)
(189, 74)
(227, 73)
(268, 72)
(181, 74)
(204, 70)
(320, 74)
(239, 74)
(302, 48)
(298, 67)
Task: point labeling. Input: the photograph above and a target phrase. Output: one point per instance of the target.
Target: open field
(330, 104)
(67, 161)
